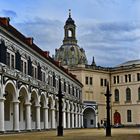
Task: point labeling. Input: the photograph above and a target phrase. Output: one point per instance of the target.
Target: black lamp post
(108, 126)
(60, 96)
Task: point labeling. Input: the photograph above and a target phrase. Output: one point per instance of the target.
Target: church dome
(71, 55)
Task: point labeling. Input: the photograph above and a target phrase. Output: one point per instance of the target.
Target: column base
(16, 131)
(38, 129)
(2, 132)
(28, 130)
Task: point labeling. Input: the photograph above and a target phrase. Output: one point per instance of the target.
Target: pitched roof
(5, 23)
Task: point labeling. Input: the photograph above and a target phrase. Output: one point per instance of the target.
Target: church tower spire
(70, 31)
(70, 54)
(69, 13)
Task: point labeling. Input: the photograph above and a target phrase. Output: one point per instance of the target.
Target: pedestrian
(98, 124)
(104, 124)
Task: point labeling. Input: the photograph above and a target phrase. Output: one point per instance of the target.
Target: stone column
(96, 120)
(46, 118)
(28, 116)
(38, 117)
(79, 120)
(53, 118)
(69, 120)
(64, 119)
(76, 120)
(72, 119)
(82, 125)
(2, 114)
(16, 115)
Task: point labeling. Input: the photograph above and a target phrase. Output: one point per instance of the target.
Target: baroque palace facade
(124, 81)
(29, 81)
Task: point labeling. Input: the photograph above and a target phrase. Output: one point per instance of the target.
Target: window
(105, 82)
(101, 82)
(139, 94)
(138, 76)
(114, 79)
(118, 80)
(129, 116)
(86, 80)
(73, 91)
(43, 76)
(128, 94)
(12, 61)
(116, 95)
(24, 66)
(129, 77)
(69, 33)
(8, 59)
(126, 78)
(65, 86)
(91, 122)
(90, 80)
(69, 89)
(54, 80)
(34, 71)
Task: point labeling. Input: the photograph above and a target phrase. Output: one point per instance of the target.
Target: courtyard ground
(77, 134)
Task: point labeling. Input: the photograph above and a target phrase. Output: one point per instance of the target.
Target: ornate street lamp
(60, 96)
(108, 126)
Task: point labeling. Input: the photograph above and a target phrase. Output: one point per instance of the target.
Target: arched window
(128, 94)
(116, 95)
(69, 33)
(139, 94)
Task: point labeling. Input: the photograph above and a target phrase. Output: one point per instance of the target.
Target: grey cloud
(111, 43)
(47, 33)
(8, 13)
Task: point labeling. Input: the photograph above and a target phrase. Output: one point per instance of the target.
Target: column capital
(45, 107)
(16, 101)
(28, 104)
(52, 108)
(37, 105)
(2, 98)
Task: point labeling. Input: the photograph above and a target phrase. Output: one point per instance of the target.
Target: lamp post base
(108, 132)
(60, 131)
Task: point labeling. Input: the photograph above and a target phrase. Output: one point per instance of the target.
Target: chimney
(30, 40)
(5, 20)
(47, 53)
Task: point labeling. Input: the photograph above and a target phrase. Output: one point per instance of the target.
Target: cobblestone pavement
(77, 134)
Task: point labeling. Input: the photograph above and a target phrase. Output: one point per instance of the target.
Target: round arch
(89, 117)
(10, 87)
(23, 92)
(23, 98)
(10, 95)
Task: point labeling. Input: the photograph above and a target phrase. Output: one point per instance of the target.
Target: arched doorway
(117, 118)
(9, 111)
(50, 105)
(22, 107)
(34, 102)
(42, 111)
(89, 118)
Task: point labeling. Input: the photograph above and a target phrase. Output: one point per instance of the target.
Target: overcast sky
(109, 30)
